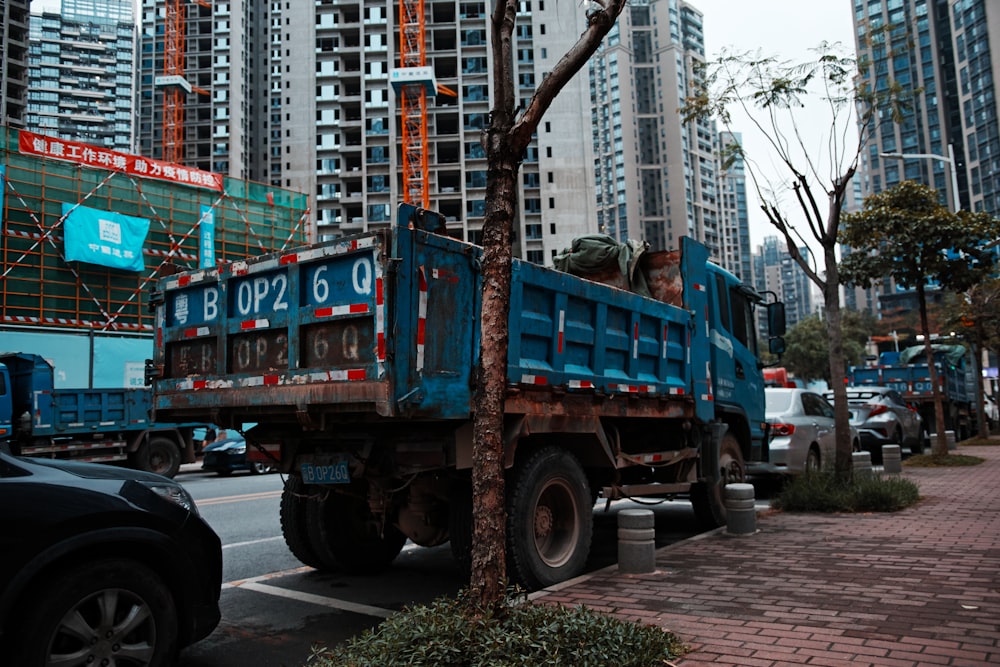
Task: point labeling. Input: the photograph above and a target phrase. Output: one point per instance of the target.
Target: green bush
(455, 633)
(827, 492)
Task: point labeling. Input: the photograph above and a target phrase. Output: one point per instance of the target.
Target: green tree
(907, 234)
(773, 95)
(807, 352)
(505, 140)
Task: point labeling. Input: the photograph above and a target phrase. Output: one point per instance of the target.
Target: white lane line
(318, 600)
(250, 542)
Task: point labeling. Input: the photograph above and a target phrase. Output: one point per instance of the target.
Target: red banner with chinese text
(103, 158)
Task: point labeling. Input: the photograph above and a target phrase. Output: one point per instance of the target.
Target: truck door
(738, 380)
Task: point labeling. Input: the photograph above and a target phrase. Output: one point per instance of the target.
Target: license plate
(336, 473)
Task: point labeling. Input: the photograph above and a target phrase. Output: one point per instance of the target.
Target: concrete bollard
(741, 515)
(892, 459)
(636, 541)
(950, 437)
(861, 464)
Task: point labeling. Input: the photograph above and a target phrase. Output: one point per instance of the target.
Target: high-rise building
(13, 62)
(301, 97)
(735, 249)
(947, 51)
(81, 73)
(656, 177)
(775, 271)
(234, 65)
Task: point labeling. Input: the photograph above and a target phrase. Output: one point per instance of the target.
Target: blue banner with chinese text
(104, 237)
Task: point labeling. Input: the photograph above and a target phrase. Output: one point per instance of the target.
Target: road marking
(250, 542)
(263, 495)
(318, 600)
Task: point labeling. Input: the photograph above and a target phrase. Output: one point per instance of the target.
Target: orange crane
(413, 80)
(174, 80)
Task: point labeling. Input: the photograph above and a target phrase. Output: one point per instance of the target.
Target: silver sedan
(802, 432)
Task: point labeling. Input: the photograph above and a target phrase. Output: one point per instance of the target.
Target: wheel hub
(543, 522)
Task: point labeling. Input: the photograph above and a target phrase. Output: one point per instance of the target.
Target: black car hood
(95, 470)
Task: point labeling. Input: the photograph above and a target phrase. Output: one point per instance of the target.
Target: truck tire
(294, 501)
(83, 613)
(708, 497)
(549, 519)
(158, 454)
(345, 533)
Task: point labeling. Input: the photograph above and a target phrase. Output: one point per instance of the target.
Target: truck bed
(386, 324)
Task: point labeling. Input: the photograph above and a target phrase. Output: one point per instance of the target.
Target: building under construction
(88, 231)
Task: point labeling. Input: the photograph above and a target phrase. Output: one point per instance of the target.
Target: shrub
(827, 492)
(948, 460)
(455, 633)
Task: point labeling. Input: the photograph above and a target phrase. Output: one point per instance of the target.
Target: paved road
(275, 610)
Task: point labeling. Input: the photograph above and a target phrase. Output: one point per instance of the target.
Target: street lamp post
(931, 156)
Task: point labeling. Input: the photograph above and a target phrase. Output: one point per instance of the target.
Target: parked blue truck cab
(356, 359)
(97, 425)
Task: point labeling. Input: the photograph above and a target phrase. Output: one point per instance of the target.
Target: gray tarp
(953, 354)
(597, 253)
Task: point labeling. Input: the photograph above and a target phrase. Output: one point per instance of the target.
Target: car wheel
(259, 468)
(813, 462)
(113, 611)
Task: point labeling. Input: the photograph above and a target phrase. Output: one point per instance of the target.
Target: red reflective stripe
(289, 259)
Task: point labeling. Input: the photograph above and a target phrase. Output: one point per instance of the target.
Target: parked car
(229, 454)
(101, 565)
(883, 417)
(802, 432)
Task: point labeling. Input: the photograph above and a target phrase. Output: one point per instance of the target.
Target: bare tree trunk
(843, 462)
(940, 445)
(489, 570)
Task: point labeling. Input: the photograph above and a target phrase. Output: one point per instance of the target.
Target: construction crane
(174, 80)
(413, 80)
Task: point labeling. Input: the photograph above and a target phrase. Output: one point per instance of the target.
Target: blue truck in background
(907, 372)
(356, 360)
(96, 425)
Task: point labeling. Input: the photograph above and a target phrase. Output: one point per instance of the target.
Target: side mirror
(776, 320)
(776, 345)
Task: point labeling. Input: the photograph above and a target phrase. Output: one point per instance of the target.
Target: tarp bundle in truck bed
(953, 354)
(628, 266)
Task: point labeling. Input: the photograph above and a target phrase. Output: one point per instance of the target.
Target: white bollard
(861, 464)
(741, 515)
(892, 459)
(636, 541)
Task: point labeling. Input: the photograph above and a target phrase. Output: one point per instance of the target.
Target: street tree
(807, 352)
(770, 98)
(905, 233)
(505, 141)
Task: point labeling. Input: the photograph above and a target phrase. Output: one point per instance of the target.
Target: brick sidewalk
(917, 587)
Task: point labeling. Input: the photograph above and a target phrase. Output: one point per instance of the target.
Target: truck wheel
(113, 611)
(708, 497)
(159, 455)
(294, 502)
(549, 519)
(345, 533)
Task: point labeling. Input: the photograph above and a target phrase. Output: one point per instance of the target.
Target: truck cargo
(96, 425)
(356, 360)
(907, 372)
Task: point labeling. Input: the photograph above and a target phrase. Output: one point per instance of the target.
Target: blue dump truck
(356, 360)
(907, 372)
(98, 425)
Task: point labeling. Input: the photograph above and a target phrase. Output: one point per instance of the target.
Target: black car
(101, 565)
(229, 454)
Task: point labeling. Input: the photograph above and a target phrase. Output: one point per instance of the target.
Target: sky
(786, 29)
